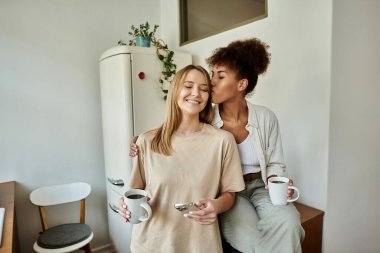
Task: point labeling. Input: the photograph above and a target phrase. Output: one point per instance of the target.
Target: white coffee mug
(136, 201)
(278, 190)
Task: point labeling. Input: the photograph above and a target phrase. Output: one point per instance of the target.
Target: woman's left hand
(290, 191)
(207, 215)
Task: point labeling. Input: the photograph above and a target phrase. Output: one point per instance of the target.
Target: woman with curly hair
(253, 224)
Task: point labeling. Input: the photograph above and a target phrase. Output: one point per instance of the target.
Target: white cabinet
(131, 103)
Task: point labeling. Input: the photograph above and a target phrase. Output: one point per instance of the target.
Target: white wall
(296, 86)
(353, 217)
(50, 130)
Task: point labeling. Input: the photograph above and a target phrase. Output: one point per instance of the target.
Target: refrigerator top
(135, 50)
(122, 50)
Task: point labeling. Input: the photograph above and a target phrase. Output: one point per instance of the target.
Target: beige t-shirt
(202, 165)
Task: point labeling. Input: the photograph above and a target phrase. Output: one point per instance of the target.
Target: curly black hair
(249, 58)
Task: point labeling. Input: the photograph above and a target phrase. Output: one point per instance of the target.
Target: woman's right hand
(206, 215)
(123, 210)
(133, 150)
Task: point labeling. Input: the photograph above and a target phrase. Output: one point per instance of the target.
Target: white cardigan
(263, 126)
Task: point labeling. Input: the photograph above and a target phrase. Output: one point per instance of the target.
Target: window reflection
(203, 18)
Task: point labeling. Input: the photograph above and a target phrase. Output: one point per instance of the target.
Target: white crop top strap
(249, 161)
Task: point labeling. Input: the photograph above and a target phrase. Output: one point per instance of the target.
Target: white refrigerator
(132, 103)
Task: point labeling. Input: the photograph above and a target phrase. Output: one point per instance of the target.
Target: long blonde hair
(161, 142)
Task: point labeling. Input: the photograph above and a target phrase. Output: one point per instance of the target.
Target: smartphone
(186, 207)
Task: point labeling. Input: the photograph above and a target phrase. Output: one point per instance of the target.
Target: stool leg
(87, 248)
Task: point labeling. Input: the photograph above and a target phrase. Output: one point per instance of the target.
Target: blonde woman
(186, 159)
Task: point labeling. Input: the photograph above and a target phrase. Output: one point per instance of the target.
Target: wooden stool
(312, 223)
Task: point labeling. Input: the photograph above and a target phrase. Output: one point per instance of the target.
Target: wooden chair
(65, 237)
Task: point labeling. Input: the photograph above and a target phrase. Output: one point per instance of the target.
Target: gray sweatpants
(253, 224)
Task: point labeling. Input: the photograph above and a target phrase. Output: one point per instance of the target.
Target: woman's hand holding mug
(123, 210)
(290, 190)
(134, 207)
(279, 190)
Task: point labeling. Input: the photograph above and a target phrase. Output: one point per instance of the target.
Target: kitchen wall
(353, 218)
(50, 130)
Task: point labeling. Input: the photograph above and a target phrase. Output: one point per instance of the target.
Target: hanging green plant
(164, 54)
(169, 69)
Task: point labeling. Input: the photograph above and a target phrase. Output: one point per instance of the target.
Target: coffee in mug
(278, 182)
(278, 190)
(136, 196)
(137, 203)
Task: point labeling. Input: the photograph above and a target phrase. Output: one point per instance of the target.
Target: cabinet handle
(113, 208)
(117, 182)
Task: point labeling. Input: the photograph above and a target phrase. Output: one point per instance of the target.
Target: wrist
(224, 202)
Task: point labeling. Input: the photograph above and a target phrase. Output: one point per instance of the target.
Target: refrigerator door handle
(117, 182)
(113, 207)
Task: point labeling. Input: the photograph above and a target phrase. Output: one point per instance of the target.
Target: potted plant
(164, 54)
(142, 35)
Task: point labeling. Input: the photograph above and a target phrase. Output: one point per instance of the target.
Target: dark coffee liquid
(278, 182)
(135, 196)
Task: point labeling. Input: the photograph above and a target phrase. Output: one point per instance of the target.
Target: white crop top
(248, 157)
